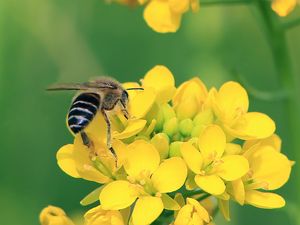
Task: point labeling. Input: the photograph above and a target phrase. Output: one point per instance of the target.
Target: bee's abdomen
(82, 111)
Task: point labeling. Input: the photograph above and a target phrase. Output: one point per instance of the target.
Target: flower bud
(171, 127)
(175, 149)
(189, 98)
(161, 143)
(204, 117)
(197, 130)
(185, 127)
(168, 112)
(52, 215)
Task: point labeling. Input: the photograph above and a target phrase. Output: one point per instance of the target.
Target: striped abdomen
(82, 111)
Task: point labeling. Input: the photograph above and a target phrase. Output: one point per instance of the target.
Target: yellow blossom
(99, 216)
(52, 215)
(148, 181)
(210, 166)
(192, 213)
(230, 105)
(283, 7)
(269, 170)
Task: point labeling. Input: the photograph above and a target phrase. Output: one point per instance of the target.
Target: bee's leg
(108, 140)
(85, 139)
(124, 111)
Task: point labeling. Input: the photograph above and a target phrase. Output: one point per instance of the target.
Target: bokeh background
(48, 41)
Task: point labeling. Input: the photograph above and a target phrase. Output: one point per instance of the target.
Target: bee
(100, 95)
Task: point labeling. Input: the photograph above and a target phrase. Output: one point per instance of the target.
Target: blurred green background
(48, 41)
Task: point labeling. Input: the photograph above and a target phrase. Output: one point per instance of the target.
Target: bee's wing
(62, 87)
(83, 86)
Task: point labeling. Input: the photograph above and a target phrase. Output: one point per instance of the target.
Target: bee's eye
(125, 97)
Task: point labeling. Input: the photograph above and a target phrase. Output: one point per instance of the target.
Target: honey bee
(100, 95)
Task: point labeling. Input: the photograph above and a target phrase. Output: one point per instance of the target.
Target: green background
(48, 41)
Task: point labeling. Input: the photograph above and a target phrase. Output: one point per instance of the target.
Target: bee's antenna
(129, 89)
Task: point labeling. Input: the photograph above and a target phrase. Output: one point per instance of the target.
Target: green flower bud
(175, 149)
(171, 127)
(185, 127)
(161, 143)
(204, 117)
(168, 112)
(197, 130)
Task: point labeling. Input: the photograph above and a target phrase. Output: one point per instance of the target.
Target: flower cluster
(186, 150)
(164, 16)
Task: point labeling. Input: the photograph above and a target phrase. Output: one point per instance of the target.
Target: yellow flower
(189, 98)
(230, 105)
(164, 16)
(99, 216)
(148, 181)
(77, 161)
(269, 170)
(209, 164)
(283, 7)
(192, 213)
(52, 215)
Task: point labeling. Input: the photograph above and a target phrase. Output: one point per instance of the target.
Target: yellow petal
(264, 200)
(85, 167)
(169, 203)
(160, 18)
(231, 100)
(232, 167)
(233, 149)
(253, 125)
(146, 210)
(141, 157)
(192, 157)
(190, 182)
(274, 141)
(65, 160)
(170, 175)
(97, 216)
(270, 166)
(179, 6)
(184, 215)
(201, 211)
(237, 190)
(283, 7)
(133, 127)
(212, 184)
(224, 208)
(212, 142)
(192, 88)
(141, 103)
(118, 195)
(161, 79)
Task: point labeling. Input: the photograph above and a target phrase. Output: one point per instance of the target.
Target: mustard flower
(99, 216)
(269, 170)
(208, 163)
(148, 181)
(230, 104)
(164, 16)
(52, 215)
(192, 213)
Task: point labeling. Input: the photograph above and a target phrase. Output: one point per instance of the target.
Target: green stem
(276, 34)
